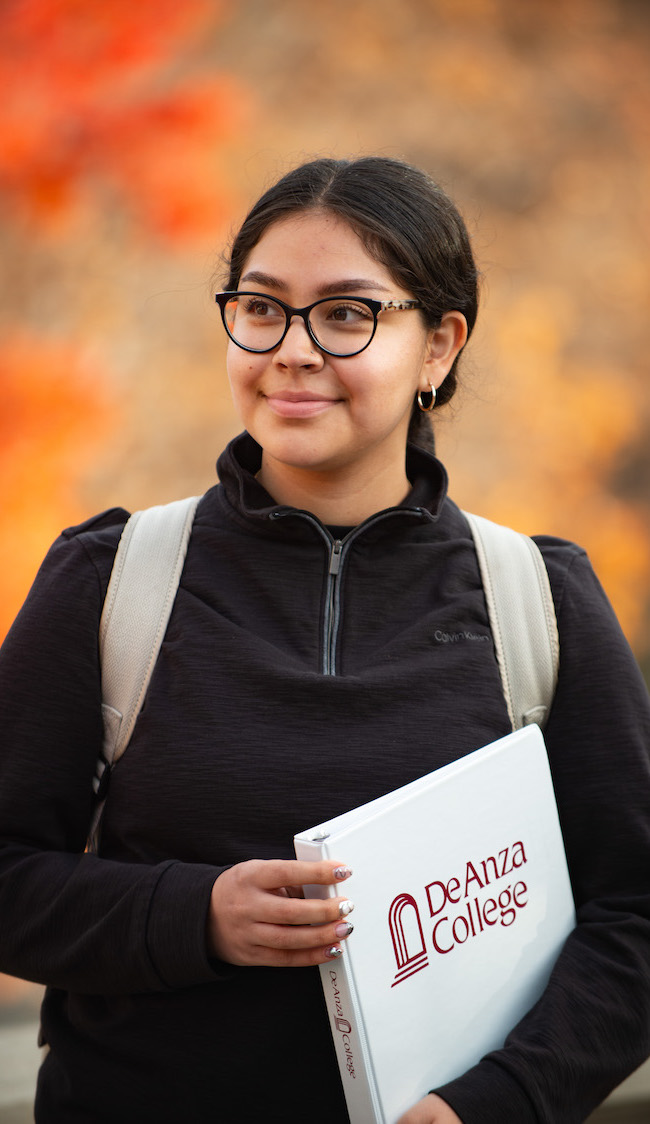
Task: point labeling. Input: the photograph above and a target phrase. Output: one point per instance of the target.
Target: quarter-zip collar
(337, 550)
(242, 459)
(253, 508)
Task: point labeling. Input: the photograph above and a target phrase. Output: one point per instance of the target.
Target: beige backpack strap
(522, 618)
(139, 600)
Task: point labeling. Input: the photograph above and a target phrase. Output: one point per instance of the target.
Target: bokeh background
(135, 133)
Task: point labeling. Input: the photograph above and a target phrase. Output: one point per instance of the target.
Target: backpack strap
(139, 600)
(522, 618)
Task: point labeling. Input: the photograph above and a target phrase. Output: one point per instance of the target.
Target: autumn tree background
(132, 139)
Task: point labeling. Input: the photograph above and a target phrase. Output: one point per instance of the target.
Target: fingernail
(334, 952)
(345, 907)
(344, 929)
(341, 873)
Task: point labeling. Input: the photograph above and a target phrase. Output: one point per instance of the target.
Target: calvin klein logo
(441, 637)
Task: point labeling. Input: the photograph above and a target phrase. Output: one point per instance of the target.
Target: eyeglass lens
(342, 326)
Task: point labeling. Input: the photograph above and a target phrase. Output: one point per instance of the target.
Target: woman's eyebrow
(264, 279)
(351, 285)
(331, 289)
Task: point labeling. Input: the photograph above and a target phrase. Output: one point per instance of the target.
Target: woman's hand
(430, 1110)
(257, 915)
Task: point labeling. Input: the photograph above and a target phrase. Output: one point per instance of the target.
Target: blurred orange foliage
(96, 119)
(54, 413)
(122, 121)
(94, 103)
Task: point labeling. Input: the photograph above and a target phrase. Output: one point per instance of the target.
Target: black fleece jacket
(284, 695)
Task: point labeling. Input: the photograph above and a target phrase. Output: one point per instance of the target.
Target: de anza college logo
(462, 908)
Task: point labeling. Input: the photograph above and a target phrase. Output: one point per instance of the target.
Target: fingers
(276, 873)
(253, 920)
(262, 891)
(430, 1110)
(294, 946)
(299, 937)
(310, 958)
(280, 910)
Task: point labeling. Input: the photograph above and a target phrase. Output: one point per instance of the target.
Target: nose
(297, 348)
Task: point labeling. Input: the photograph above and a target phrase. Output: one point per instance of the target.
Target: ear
(443, 345)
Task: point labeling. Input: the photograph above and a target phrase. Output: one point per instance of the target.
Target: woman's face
(318, 412)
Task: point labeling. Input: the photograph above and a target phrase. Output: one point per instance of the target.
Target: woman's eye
(257, 307)
(348, 313)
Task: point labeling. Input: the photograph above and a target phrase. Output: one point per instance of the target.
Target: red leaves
(101, 97)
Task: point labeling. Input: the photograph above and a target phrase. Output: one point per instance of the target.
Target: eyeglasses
(341, 326)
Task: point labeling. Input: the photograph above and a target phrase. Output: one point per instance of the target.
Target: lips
(299, 404)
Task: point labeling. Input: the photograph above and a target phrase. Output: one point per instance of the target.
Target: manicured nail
(344, 929)
(345, 907)
(334, 952)
(341, 873)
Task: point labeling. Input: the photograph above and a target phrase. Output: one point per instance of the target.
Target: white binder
(462, 904)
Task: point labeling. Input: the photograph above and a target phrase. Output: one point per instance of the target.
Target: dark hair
(405, 221)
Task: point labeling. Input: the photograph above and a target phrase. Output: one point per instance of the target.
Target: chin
(311, 463)
(303, 451)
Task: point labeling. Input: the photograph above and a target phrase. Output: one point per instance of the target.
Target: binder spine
(345, 1019)
(349, 1039)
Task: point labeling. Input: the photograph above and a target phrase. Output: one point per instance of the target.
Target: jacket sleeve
(69, 919)
(591, 1027)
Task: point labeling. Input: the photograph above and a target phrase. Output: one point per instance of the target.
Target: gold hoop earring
(432, 392)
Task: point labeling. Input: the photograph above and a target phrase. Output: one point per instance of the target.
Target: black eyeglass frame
(375, 307)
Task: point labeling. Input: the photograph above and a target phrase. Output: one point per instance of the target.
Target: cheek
(241, 370)
(388, 390)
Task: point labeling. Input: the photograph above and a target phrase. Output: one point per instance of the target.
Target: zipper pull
(335, 557)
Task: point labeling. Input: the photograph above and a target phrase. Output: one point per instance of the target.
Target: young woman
(300, 676)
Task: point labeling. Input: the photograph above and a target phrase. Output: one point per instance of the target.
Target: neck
(338, 498)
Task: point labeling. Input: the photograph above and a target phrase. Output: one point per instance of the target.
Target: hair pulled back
(405, 221)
